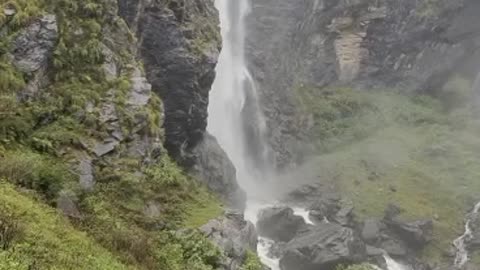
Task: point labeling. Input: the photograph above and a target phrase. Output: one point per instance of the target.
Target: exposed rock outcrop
(411, 45)
(279, 223)
(179, 45)
(215, 169)
(323, 247)
(32, 50)
(234, 236)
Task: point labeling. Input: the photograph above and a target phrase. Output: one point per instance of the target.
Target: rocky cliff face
(179, 43)
(408, 45)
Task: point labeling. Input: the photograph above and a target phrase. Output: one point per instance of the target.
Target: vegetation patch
(39, 238)
(252, 262)
(411, 153)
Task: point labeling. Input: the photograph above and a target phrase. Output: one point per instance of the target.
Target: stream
(461, 257)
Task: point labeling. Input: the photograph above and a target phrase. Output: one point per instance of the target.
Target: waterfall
(236, 120)
(235, 117)
(461, 257)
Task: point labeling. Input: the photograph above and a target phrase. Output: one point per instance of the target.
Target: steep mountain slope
(90, 93)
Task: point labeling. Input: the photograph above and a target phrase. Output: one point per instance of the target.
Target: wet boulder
(233, 235)
(416, 234)
(323, 247)
(371, 230)
(279, 224)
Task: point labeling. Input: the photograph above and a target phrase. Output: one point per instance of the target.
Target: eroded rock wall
(408, 45)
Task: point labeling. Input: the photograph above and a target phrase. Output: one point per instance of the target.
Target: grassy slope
(46, 239)
(383, 147)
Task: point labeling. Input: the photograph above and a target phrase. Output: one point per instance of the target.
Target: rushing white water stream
(461, 257)
(232, 89)
(393, 265)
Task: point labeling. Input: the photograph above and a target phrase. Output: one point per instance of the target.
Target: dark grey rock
(33, 47)
(279, 223)
(141, 92)
(373, 251)
(180, 71)
(109, 66)
(85, 171)
(345, 215)
(214, 168)
(234, 236)
(416, 234)
(392, 211)
(323, 247)
(103, 148)
(32, 50)
(394, 247)
(371, 230)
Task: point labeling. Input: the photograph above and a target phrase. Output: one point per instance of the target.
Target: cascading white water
(461, 257)
(232, 88)
(393, 265)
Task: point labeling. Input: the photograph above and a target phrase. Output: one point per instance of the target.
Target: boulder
(371, 230)
(416, 234)
(279, 223)
(394, 247)
(233, 235)
(34, 46)
(85, 172)
(216, 171)
(32, 50)
(323, 247)
(67, 204)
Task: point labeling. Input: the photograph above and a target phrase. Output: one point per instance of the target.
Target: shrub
(166, 174)
(252, 262)
(457, 92)
(34, 171)
(9, 230)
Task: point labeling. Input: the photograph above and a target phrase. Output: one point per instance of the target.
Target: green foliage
(10, 79)
(48, 241)
(189, 250)
(166, 174)
(252, 262)
(25, 10)
(127, 210)
(414, 153)
(346, 115)
(457, 92)
(79, 55)
(34, 171)
(202, 208)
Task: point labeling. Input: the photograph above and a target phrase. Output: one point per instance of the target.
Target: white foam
(304, 214)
